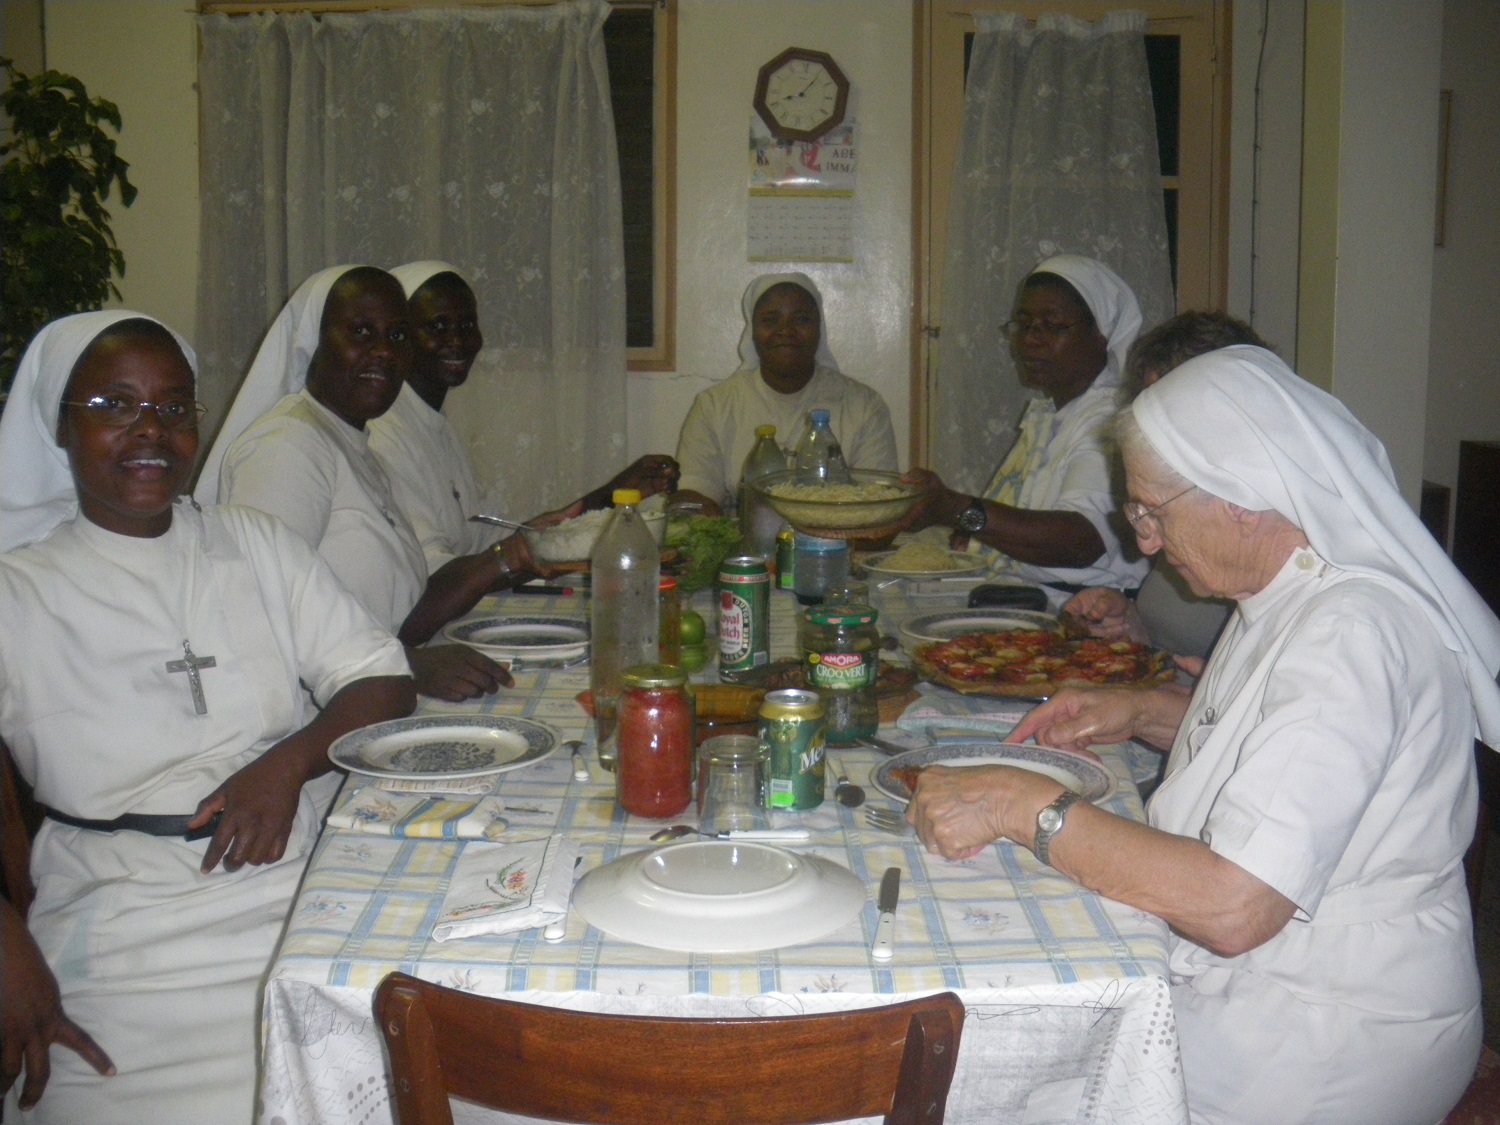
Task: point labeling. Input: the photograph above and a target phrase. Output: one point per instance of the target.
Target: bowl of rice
(572, 541)
(873, 502)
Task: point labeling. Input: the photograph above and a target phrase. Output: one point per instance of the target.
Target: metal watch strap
(1043, 836)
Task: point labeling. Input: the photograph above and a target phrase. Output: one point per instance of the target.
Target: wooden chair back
(896, 1060)
(15, 840)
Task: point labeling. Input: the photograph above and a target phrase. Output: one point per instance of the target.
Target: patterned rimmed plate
(443, 747)
(1085, 775)
(530, 638)
(959, 622)
(964, 566)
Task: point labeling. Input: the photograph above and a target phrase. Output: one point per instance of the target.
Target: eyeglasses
(1013, 329)
(1144, 519)
(118, 412)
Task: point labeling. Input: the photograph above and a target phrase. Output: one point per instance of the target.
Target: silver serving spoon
(677, 831)
(499, 521)
(847, 793)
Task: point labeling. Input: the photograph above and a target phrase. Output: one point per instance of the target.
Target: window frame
(661, 355)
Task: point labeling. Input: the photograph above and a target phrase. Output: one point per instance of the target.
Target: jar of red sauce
(654, 775)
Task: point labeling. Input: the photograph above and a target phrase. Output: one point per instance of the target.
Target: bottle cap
(653, 676)
(842, 615)
(765, 431)
(819, 417)
(626, 496)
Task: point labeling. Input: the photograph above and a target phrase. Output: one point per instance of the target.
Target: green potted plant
(57, 251)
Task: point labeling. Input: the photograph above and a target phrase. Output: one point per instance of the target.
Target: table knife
(767, 834)
(883, 746)
(890, 894)
(580, 767)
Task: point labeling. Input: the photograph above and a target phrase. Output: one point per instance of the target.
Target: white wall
(1463, 387)
(142, 55)
(721, 45)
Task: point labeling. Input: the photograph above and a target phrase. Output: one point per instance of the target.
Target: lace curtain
(1057, 154)
(482, 137)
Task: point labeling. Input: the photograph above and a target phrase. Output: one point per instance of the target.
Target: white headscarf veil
(279, 369)
(414, 275)
(749, 361)
(1117, 313)
(36, 484)
(1240, 424)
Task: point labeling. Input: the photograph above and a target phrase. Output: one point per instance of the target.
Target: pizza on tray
(1036, 663)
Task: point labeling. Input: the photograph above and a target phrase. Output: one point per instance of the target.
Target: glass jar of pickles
(654, 774)
(841, 647)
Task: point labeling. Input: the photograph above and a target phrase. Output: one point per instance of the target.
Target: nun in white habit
(151, 672)
(786, 369)
(1306, 844)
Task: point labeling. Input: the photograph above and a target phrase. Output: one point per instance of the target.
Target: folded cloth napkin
(499, 888)
(383, 813)
(942, 714)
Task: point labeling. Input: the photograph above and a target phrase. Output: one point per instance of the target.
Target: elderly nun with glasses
(152, 666)
(1306, 844)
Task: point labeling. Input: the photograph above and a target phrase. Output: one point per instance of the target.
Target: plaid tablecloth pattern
(1069, 1013)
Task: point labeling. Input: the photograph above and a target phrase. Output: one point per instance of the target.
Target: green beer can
(744, 615)
(791, 727)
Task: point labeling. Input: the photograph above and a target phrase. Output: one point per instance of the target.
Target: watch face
(1049, 819)
(801, 94)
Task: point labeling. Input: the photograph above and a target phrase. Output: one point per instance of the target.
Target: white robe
(304, 465)
(720, 426)
(432, 478)
(163, 965)
(1327, 750)
(1076, 473)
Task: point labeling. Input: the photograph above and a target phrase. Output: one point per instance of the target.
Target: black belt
(148, 823)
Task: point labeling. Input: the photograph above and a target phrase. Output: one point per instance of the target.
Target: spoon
(677, 831)
(847, 793)
(499, 521)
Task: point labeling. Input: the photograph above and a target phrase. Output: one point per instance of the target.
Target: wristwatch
(972, 520)
(1049, 822)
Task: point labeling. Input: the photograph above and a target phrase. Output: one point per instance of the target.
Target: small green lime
(694, 657)
(692, 628)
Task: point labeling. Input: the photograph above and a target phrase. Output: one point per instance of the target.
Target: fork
(886, 820)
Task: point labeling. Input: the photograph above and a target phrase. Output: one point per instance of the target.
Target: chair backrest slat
(895, 1061)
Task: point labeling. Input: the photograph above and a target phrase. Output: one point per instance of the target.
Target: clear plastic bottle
(818, 458)
(625, 569)
(759, 523)
(820, 563)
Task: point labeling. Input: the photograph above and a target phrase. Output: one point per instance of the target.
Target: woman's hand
(653, 473)
(960, 811)
(456, 672)
(32, 1017)
(1077, 718)
(256, 807)
(1107, 613)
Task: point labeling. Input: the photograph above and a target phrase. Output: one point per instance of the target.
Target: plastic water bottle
(625, 573)
(819, 459)
(821, 563)
(759, 523)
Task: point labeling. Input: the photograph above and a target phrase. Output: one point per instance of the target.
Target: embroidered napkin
(498, 888)
(383, 813)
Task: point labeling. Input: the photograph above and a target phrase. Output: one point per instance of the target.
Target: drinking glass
(732, 783)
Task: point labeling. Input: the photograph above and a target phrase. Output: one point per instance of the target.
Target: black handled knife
(890, 894)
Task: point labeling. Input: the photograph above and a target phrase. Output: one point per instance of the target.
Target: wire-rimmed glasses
(118, 412)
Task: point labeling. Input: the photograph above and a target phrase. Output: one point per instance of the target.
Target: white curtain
(1057, 154)
(480, 137)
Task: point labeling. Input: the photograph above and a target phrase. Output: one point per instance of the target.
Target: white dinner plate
(1090, 779)
(443, 747)
(957, 622)
(963, 565)
(719, 896)
(538, 638)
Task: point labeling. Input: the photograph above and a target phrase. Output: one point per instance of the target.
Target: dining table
(1068, 1008)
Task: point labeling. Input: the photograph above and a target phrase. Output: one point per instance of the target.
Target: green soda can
(744, 615)
(786, 559)
(791, 727)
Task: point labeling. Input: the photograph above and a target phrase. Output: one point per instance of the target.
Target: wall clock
(801, 94)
